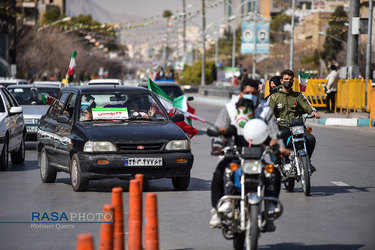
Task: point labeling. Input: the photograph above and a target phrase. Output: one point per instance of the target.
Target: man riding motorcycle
(287, 104)
(231, 121)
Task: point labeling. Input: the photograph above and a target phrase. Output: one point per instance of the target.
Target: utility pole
(203, 76)
(369, 41)
(292, 37)
(255, 37)
(352, 45)
(184, 25)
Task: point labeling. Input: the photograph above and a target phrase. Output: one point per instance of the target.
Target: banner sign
(262, 38)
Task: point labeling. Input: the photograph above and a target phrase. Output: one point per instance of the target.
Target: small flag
(303, 78)
(47, 99)
(72, 64)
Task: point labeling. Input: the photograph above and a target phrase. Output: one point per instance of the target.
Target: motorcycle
(249, 208)
(297, 167)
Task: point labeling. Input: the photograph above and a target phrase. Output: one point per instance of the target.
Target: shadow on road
(158, 185)
(332, 190)
(31, 165)
(298, 246)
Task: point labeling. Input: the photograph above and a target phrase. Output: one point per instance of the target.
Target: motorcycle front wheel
(252, 228)
(305, 175)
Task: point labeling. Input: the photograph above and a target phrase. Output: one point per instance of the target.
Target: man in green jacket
(287, 104)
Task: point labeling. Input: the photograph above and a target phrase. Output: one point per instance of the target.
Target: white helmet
(255, 131)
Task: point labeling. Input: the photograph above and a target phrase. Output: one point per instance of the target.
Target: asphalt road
(338, 215)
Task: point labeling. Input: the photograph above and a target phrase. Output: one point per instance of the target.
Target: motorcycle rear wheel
(238, 241)
(252, 230)
(305, 175)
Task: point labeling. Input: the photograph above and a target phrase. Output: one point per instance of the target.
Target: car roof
(105, 80)
(33, 86)
(106, 89)
(12, 80)
(161, 83)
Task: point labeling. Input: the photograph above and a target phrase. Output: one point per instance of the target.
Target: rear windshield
(172, 91)
(32, 96)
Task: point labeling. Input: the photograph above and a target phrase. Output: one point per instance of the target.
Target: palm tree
(167, 15)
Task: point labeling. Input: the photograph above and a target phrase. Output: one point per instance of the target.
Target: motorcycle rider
(287, 104)
(230, 122)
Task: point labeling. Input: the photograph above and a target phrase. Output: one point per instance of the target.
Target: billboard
(262, 38)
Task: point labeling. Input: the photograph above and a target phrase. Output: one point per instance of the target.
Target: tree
(51, 15)
(276, 27)
(336, 29)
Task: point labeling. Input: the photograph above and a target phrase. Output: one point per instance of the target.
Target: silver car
(12, 130)
(30, 97)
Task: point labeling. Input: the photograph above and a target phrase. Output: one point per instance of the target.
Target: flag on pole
(303, 78)
(47, 99)
(72, 64)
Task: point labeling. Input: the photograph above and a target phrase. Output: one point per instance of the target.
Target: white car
(53, 83)
(12, 130)
(105, 82)
(7, 82)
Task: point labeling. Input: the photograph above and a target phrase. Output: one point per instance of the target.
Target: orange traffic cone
(85, 242)
(118, 240)
(139, 177)
(135, 216)
(106, 228)
(151, 227)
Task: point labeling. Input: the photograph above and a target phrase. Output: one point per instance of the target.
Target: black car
(97, 132)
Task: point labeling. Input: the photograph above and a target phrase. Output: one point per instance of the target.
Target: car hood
(132, 131)
(34, 111)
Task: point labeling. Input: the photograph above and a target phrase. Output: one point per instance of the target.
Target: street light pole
(203, 75)
(255, 37)
(369, 41)
(292, 37)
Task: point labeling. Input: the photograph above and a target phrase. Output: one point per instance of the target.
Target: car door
(64, 129)
(48, 128)
(14, 121)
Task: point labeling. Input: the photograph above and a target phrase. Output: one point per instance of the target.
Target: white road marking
(340, 183)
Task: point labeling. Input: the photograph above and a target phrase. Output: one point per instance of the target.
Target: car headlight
(178, 145)
(99, 146)
(298, 130)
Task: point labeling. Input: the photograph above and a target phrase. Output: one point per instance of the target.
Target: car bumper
(31, 132)
(116, 167)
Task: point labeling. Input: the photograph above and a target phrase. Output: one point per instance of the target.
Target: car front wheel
(79, 183)
(4, 157)
(47, 172)
(181, 183)
(18, 157)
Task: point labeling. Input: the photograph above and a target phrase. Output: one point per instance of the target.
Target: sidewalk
(328, 119)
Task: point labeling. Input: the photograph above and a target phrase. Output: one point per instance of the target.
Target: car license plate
(32, 129)
(143, 162)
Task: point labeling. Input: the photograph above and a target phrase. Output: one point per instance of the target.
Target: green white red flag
(72, 65)
(303, 78)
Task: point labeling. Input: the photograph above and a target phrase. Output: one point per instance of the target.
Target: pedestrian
(331, 89)
(274, 85)
(214, 73)
(244, 76)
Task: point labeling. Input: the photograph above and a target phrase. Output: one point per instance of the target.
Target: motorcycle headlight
(99, 146)
(297, 130)
(252, 167)
(178, 145)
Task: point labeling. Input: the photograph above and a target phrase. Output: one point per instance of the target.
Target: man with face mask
(287, 104)
(231, 121)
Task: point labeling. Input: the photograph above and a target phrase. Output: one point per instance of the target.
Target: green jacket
(289, 105)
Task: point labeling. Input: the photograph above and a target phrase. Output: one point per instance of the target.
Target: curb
(346, 122)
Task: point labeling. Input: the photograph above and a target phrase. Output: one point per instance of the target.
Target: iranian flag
(303, 78)
(171, 106)
(72, 64)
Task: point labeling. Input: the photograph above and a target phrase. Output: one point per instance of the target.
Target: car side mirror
(62, 119)
(15, 110)
(213, 131)
(178, 117)
(190, 98)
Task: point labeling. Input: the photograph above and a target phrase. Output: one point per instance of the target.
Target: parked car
(105, 82)
(12, 130)
(8, 82)
(97, 132)
(30, 98)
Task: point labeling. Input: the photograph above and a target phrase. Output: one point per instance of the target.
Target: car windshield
(119, 106)
(2, 108)
(32, 96)
(172, 91)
